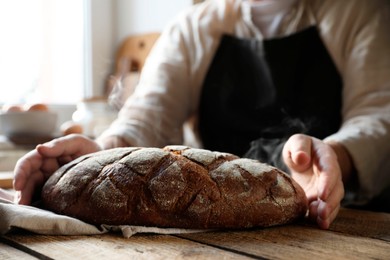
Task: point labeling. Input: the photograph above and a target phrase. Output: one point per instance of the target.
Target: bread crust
(176, 186)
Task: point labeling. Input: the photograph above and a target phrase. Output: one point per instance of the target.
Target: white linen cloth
(45, 222)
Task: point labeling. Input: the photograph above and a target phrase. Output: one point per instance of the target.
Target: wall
(112, 21)
(100, 38)
(140, 16)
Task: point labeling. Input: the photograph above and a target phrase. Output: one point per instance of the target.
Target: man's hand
(34, 168)
(315, 166)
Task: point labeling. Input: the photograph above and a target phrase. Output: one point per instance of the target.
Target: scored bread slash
(177, 187)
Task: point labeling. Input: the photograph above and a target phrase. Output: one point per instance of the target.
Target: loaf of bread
(176, 186)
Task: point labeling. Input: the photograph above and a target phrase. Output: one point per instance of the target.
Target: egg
(70, 127)
(36, 107)
(12, 108)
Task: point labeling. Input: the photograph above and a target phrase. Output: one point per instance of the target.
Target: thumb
(71, 145)
(297, 152)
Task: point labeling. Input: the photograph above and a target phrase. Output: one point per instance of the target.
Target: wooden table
(6, 179)
(354, 235)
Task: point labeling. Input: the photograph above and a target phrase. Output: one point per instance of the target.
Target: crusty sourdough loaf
(173, 187)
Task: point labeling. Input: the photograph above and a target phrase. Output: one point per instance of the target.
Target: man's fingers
(313, 210)
(25, 167)
(58, 147)
(328, 209)
(297, 152)
(326, 214)
(328, 182)
(25, 195)
(320, 213)
(50, 165)
(33, 169)
(70, 147)
(329, 171)
(33, 161)
(314, 165)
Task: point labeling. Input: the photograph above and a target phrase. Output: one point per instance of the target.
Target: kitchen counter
(354, 234)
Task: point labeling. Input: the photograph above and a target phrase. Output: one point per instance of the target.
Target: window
(42, 51)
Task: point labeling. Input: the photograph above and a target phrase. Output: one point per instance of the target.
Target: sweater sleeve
(358, 37)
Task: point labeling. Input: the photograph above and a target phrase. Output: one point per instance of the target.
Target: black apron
(256, 94)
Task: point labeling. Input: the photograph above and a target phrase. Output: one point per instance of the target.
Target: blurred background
(61, 52)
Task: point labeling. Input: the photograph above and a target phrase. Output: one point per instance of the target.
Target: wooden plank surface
(295, 242)
(9, 252)
(353, 235)
(114, 246)
(363, 223)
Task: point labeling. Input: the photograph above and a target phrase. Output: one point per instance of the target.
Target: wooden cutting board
(6, 179)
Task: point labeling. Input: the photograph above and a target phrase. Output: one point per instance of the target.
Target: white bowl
(30, 123)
